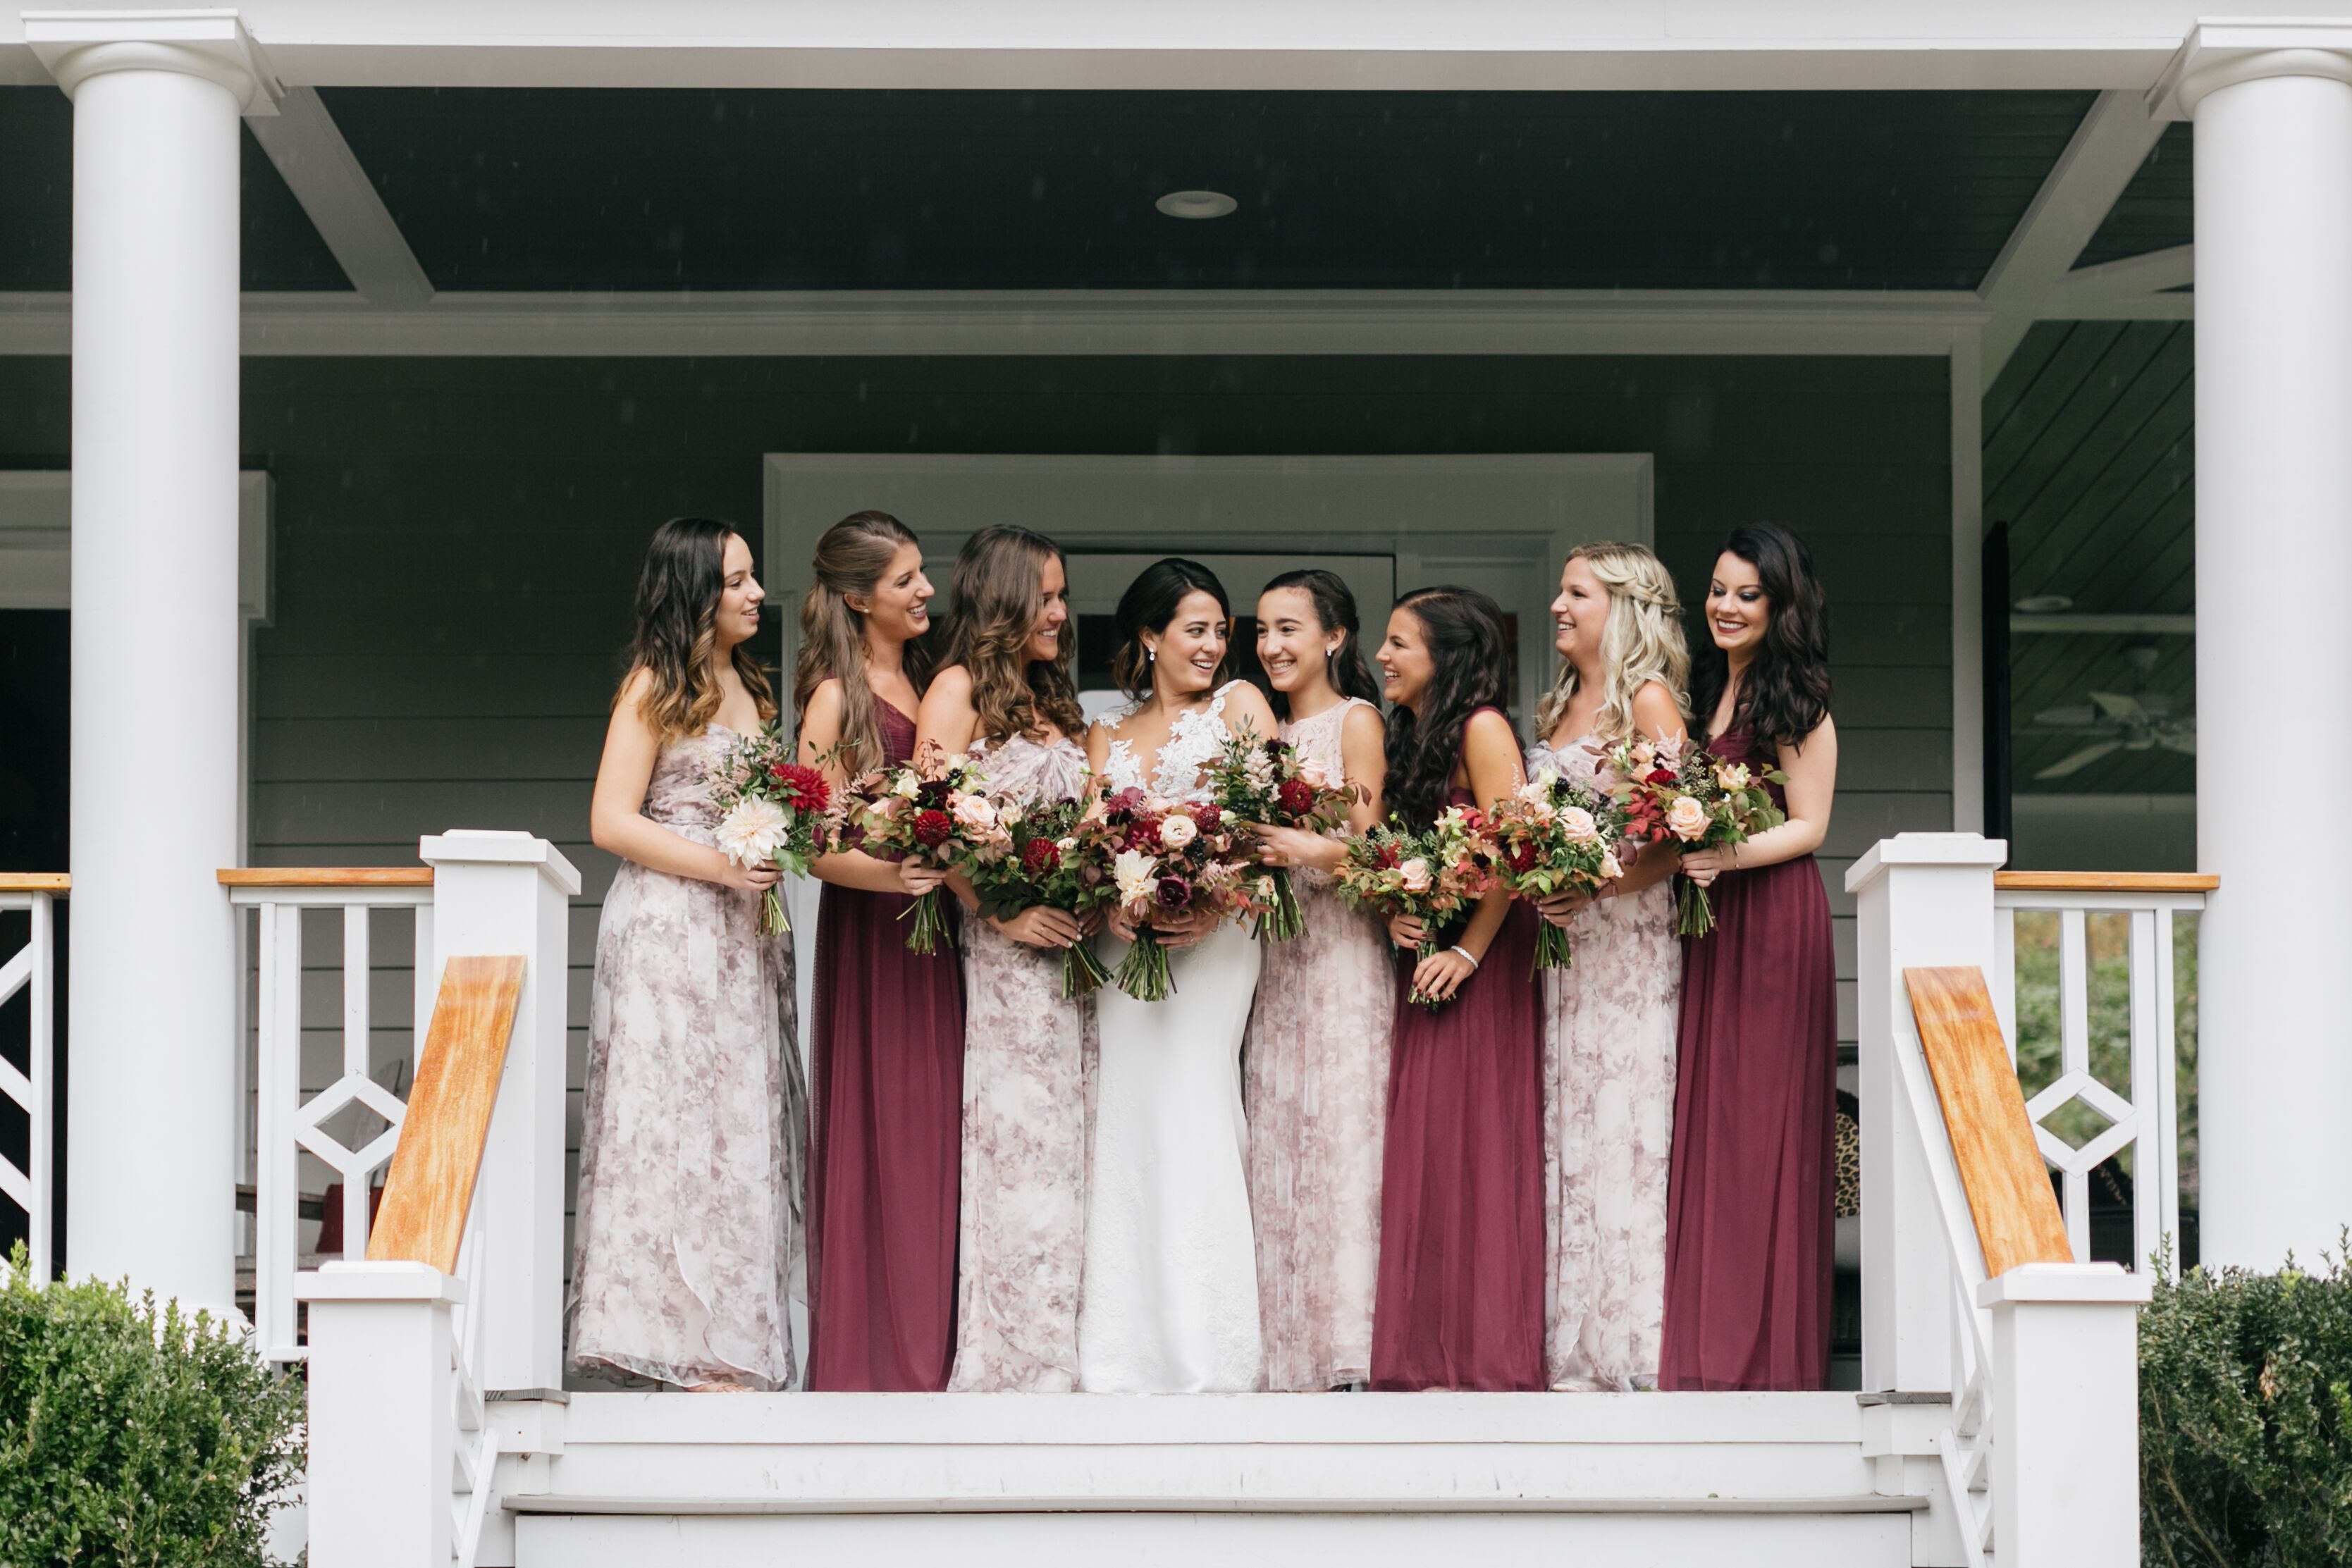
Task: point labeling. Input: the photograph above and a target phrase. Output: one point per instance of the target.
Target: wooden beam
(2008, 1186)
(326, 876)
(35, 882)
(2108, 148)
(431, 1183)
(2103, 881)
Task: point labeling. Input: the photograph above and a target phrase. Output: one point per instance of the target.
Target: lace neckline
(1194, 738)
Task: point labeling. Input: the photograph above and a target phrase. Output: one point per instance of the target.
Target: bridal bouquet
(933, 809)
(1678, 793)
(772, 811)
(1255, 780)
(1553, 836)
(1045, 862)
(1434, 875)
(1164, 859)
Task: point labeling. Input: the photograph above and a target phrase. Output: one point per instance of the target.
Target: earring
(1151, 655)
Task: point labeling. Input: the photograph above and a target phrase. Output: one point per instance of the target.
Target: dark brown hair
(997, 574)
(678, 590)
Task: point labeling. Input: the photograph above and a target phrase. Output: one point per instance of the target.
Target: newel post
(2065, 1452)
(497, 893)
(1924, 899)
(382, 1436)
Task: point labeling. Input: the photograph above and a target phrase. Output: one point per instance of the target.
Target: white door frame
(1500, 523)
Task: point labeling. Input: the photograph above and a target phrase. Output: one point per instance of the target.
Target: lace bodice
(1578, 761)
(1318, 739)
(1035, 769)
(1193, 741)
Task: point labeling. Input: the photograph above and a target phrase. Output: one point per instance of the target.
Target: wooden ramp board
(2007, 1185)
(441, 1137)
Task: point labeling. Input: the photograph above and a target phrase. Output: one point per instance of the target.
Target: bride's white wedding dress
(1171, 1286)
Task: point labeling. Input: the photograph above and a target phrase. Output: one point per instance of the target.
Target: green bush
(2246, 1420)
(132, 1437)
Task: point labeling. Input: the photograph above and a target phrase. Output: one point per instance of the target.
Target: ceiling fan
(2137, 720)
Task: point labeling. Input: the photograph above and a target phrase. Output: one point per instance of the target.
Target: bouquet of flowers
(1434, 875)
(932, 808)
(772, 811)
(1255, 780)
(1045, 862)
(1673, 791)
(1164, 859)
(1553, 836)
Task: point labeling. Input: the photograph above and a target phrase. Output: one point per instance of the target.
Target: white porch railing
(32, 969)
(2037, 1450)
(2147, 1121)
(287, 1123)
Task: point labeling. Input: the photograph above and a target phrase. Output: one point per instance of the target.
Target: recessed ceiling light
(1196, 203)
(2044, 604)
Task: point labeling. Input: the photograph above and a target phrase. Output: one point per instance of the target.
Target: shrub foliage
(2245, 1399)
(129, 1435)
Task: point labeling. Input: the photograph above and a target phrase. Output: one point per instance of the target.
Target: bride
(1170, 1303)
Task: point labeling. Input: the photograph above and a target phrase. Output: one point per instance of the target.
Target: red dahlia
(933, 829)
(1297, 797)
(806, 787)
(1040, 856)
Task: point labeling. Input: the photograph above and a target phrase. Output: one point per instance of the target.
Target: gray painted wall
(457, 541)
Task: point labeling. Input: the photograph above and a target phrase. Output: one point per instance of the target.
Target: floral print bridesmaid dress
(1316, 1079)
(691, 1149)
(1022, 1232)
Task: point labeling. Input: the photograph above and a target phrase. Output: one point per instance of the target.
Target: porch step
(1348, 1480)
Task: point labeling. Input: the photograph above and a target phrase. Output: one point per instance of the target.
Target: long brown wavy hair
(851, 557)
(678, 629)
(995, 585)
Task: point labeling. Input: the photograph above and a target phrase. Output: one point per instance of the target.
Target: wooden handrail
(2008, 1187)
(326, 876)
(35, 882)
(431, 1183)
(2103, 881)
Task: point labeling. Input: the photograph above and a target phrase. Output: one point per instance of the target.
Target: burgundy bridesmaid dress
(1460, 1303)
(888, 1095)
(1749, 1216)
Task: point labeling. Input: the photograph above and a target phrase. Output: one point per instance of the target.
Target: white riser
(1189, 1541)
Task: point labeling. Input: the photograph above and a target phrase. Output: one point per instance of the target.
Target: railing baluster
(2004, 976)
(2075, 1056)
(32, 969)
(2163, 1051)
(356, 1064)
(277, 1176)
(2148, 1162)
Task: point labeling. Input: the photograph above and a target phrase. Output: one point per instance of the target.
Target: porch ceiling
(281, 250)
(572, 189)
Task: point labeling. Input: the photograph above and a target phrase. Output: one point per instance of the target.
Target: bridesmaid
(1461, 1294)
(889, 1057)
(690, 1145)
(1005, 694)
(1316, 1059)
(1749, 1223)
(1608, 1021)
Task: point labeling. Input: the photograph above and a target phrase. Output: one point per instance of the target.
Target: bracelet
(1466, 952)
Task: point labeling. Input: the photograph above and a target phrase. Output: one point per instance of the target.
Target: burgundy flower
(1172, 893)
(1040, 856)
(1297, 797)
(1521, 859)
(1143, 834)
(1207, 816)
(933, 829)
(806, 789)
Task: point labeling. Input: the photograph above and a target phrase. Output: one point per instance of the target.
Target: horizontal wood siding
(457, 542)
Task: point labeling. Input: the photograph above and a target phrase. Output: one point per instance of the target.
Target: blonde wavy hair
(995, 587)
(1643, 641)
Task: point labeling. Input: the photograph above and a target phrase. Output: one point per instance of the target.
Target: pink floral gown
(1315, 1069)
(1021, 1239)
(1609, 1102)
(692, 1141)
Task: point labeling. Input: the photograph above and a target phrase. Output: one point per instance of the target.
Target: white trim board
(37, 541)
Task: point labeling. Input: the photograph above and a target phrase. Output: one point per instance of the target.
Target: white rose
(906, 785)
(1415, 874)
(1609, 866)
(1178, 830)
(973, 811)
(754, 832)
(1135, 872)
(1686, 818)
(1312, 772)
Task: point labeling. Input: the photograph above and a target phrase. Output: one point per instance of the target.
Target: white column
(498, 894)
(151, 1162)
(2272, 103)
(382, 1433)
(2065, 1405)
(1924, 900)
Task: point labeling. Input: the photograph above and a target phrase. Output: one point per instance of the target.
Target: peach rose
(973, 811)
(1732, 776)
(1177, 832)
(1415, 874)
(1578, 824)
(1686, 818)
